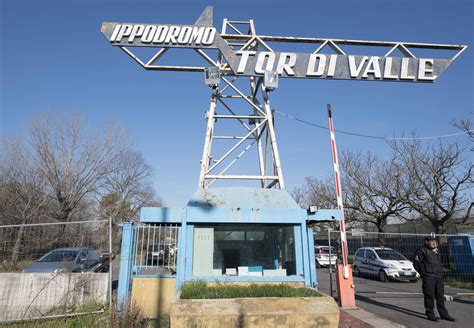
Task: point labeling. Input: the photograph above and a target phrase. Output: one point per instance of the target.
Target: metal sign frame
(242, 53)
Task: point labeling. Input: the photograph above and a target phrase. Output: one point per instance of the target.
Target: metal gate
(147, 250)
(155, 249)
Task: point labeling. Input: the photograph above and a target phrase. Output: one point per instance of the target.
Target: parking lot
(402, 302)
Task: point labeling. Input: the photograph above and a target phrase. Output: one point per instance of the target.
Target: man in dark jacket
(428, 264)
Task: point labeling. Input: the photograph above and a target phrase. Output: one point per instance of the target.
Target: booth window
(244, 250)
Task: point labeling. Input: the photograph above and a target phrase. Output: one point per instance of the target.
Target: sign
(203, 35)
(302, 65)
(151, 35)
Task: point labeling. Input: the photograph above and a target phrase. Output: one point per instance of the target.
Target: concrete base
(153, 295)
(256, 312)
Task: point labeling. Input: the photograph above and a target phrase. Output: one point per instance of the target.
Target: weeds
(130, 316)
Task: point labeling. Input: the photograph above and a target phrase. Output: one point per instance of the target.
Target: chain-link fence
(382, 263)
(54, 269)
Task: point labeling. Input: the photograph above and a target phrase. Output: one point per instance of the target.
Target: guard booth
(227, 234)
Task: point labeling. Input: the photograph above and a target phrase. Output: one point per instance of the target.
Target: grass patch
(89, 320)
(200, 290)
(129, 317)
(464, 283)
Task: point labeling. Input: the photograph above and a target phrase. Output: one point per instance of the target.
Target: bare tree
(73, 163)
(439, 178)
(466, 126)
(127, 188)
(322, 193)
(22, 191)
(373, 190)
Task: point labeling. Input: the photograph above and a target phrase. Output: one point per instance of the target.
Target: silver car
(73, 259)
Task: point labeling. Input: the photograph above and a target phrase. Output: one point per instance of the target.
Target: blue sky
(53, 56)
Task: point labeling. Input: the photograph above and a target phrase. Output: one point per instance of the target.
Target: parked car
(384, 263)
(73, 259)
(322, 256)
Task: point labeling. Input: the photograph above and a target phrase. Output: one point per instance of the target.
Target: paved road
(401, 302)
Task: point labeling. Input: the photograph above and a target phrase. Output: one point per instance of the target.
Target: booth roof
(242, 197)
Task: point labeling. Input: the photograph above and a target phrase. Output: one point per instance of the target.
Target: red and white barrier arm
(337, 178)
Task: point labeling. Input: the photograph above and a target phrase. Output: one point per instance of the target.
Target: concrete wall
(28, 295)
(153, 295)
(256, 312)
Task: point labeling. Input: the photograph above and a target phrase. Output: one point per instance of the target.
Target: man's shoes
(449, 318)
(432, 318)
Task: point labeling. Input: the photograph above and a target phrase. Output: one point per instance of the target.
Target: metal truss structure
(257, 123)
(256, 119)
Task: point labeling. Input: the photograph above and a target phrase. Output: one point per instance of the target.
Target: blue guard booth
(234, 234)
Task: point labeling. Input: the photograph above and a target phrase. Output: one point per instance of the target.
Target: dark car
(73, 259)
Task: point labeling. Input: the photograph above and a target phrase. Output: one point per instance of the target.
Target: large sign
(202, 35)
(290, 64)
(151, 35)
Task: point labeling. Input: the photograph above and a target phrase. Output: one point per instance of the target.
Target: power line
(372, 136)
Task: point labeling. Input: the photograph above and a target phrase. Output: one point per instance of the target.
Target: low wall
(256, 312)
(29, 295)
(153, 295)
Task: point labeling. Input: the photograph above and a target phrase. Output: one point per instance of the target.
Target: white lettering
(185, 34)
(209, 34)
(312, 63)
(387, 71)
(261, 59)
(124, 31)
(425, 66)
(355, 71)
(332, 65)
(172, 34)
(283, 65)
(148, 33)
(160, 34)
(373, 67)
(115, 32)
(243, 60)
(136, 31)
(197, 34)
(404, 74)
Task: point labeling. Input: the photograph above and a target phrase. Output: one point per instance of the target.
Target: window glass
(59, 256)
(369, 254)
(360, 253)
(244, 250)
(389, 254)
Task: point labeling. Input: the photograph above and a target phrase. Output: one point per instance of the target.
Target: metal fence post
(110, 264)
(330, 264)
(126, 256)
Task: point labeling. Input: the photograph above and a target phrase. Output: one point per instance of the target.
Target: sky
(53, 57)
